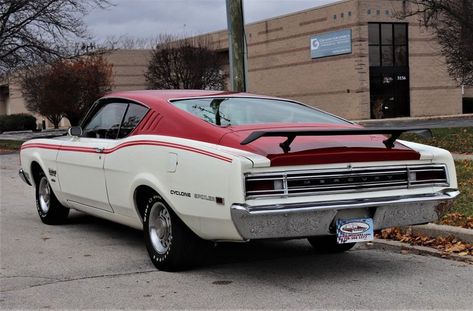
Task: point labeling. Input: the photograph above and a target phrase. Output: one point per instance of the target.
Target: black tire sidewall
(41, 213)
(56, 213)
(161, 261)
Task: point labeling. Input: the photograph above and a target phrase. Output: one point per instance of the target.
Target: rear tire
(171, 245)
(50, 211)
(328, 244)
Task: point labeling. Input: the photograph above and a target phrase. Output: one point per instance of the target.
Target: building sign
(331, 43)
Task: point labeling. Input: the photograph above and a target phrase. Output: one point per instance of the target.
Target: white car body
(103, 184)
(208, 185)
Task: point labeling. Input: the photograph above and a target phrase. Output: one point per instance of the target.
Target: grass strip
(458, 140)
(10, 145)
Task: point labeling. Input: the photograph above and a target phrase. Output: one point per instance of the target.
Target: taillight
(432, 175)
(264, 186)
(259, 185)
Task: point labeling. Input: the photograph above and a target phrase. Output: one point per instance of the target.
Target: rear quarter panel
(187, 174)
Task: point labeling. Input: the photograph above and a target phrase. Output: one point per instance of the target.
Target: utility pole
(237, 45)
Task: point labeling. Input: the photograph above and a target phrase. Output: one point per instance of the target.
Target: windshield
(240, 110)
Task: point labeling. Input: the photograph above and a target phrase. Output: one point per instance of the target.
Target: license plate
(354, 230)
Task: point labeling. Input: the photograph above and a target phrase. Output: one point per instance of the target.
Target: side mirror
(74, 131)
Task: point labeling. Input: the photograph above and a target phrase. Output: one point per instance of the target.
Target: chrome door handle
(99, 149)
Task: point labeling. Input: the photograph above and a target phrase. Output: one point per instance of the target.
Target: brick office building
(394, 67)
(378, 67)
(128, 71)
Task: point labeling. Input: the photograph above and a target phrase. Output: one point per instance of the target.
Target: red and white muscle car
(195, 166)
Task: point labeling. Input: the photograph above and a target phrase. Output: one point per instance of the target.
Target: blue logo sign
(331, 43)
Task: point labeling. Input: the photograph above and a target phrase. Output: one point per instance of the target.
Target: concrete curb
(404, 248)
(434, 230)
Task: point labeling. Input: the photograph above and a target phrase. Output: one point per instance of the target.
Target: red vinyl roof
(152, 98)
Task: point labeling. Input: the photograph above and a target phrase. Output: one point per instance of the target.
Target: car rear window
(241, 110)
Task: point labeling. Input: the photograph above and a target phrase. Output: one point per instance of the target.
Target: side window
(133, 116)
(106, 121)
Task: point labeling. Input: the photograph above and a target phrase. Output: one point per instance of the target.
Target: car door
(80, 161)
(119, 169)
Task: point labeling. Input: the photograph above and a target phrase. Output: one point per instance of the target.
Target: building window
(349, 13)
(387, 44)
(389, 70)
(369, 12)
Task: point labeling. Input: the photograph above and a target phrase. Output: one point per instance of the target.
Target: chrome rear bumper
(24, 177)
(317, 218)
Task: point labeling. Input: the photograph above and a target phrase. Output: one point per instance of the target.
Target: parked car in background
(194, 166)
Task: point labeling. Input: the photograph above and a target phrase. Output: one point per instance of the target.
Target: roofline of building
(337, 2)
(280, 16)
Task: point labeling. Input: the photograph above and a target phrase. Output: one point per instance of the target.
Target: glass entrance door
(389, 93)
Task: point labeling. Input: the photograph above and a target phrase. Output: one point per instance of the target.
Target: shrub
(17, 122)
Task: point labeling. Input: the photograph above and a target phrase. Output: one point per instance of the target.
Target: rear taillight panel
(308, 182)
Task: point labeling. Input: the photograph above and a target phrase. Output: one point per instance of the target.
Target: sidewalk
(460, 157)
(27, 135)
(463, 120)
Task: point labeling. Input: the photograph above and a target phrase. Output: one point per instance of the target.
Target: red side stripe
(128, 144)
(43, 146)
(166, 144)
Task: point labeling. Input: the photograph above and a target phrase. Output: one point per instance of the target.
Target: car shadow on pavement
(287, 255)
(103, 228)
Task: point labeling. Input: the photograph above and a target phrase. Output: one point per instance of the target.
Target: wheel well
(142, 193)
(35, 171)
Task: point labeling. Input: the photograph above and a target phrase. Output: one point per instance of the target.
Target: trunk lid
(317, 149)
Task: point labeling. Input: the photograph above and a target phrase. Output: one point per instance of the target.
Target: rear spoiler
(292, 134)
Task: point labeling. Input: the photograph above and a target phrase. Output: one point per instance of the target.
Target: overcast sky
(148, 18)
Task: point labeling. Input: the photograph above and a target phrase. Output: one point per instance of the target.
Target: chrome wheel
(160, 228)
(44, 192)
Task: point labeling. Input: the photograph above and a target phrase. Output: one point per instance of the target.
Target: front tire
(50, 211)
(328, 244)
(170, 244)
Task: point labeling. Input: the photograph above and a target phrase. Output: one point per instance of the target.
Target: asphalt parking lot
(92, 263)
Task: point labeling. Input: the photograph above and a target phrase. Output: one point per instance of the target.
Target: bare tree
(125, 42)
(33, 31)
(185, 63)
(92, 79)
(452, 21)
(66, 88)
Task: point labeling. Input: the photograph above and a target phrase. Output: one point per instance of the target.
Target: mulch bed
(457, 220)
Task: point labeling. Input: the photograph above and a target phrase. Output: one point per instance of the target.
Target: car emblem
(355, 227)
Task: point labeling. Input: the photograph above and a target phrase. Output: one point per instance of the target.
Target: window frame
(393, 45)
(124, 116)
(98, 105)
(172, 100)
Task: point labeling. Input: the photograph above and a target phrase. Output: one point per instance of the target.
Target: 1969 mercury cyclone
(195, 166)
